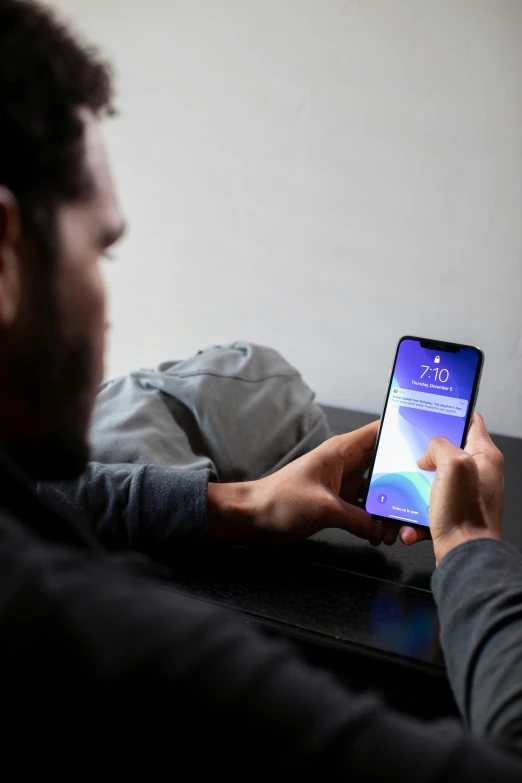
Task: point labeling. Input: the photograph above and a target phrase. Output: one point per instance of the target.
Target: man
(92, 642)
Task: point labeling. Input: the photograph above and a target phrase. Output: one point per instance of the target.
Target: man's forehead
(98, 168)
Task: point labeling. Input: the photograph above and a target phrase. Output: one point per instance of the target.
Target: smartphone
(432, 391)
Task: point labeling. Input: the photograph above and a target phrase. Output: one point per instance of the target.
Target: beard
(55, 377)
(55, 372)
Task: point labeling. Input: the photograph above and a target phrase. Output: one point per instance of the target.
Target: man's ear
(10, 228)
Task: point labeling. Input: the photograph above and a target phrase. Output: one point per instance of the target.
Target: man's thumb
(438, 449)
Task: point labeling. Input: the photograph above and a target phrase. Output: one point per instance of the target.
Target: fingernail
(401, 536)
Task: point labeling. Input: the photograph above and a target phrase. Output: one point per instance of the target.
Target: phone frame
(441, 345)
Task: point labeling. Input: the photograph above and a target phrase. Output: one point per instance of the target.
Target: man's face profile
(53, 321)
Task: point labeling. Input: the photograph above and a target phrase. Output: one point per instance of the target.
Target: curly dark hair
(46, 74)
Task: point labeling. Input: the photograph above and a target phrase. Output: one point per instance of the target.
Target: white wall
(322, 176)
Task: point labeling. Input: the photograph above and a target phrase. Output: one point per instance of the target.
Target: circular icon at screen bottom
(382, 498)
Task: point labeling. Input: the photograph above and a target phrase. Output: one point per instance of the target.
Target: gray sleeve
(142, 507)
(478, 590)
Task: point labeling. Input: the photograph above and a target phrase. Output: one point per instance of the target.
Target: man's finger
(353, 486)
(363, 487)
(439, 449)
(412, 535)
(391, 531)
(477, 428)
(355, 520)
(478, 439)
(353, 443)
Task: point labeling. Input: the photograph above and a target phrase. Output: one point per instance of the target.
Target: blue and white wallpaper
(429, 396)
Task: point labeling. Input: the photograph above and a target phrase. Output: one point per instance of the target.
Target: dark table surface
(366, 613)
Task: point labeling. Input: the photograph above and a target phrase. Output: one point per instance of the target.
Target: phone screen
(431, 393)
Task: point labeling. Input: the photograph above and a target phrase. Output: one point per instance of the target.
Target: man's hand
(317, 491)
(467, 494)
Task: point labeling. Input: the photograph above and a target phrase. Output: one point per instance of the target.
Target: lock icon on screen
(437, 359)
